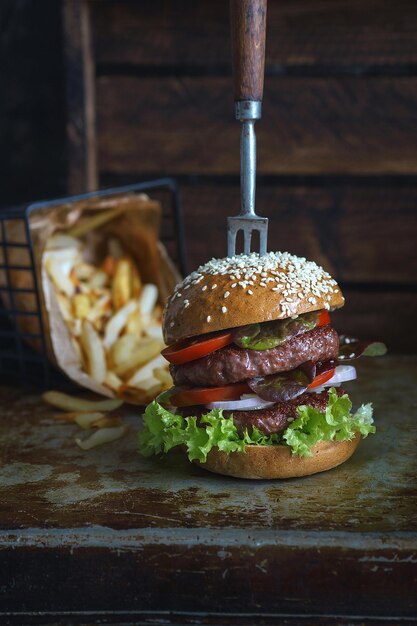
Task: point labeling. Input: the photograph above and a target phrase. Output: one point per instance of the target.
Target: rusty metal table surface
(108, 535)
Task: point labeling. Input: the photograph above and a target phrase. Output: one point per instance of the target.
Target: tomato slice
(188, 396)
(324, 318)
(322, 378)
(192, 349)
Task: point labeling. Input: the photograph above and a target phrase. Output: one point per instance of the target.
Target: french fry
(148, 298)
(86, 420)
(58, 267)
(112, 381)
(146, 371)
(151, 385)
(108, 420)
(76, 328)
(102, 435)
(81, 305)
(117, 322)
(135, 324)
(100, 309)
(163, 375)
(83, 271)
(154, 330)
(122, 283)
(123, 349)
(94, 351)
(135, 396)
(72, 403)
(98, 280)
(145, 351)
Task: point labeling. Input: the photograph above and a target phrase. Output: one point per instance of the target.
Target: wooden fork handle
(248, 26)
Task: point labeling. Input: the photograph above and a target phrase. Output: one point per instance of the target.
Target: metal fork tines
(247, 111)
(248, 225)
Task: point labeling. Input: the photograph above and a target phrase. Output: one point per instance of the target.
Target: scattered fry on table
(72, 403)
(103, 435)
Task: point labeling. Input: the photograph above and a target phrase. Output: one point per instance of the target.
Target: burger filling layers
(265, 384)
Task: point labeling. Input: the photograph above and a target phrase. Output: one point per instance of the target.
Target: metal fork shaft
(248, 111)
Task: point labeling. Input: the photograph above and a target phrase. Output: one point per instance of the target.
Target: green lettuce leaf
(335, 424)
(164, 430)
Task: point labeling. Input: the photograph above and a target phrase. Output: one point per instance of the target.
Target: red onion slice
(246, 403)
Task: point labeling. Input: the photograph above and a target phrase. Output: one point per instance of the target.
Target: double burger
(258, 371)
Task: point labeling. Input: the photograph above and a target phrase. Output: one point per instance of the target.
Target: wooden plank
(361, 234)
(333, 125)
(81, 112)
(176, 573)
(300, 33)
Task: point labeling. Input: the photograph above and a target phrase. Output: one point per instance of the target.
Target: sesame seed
(250, 292)
(214, 286)
(224, 309)
(171, 325)
(227, 294)
(234, 285)
(208, 318)
(204, 288)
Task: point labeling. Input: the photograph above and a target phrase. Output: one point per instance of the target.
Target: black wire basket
(19, 363)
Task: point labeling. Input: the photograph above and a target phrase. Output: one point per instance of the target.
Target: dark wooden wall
(32, 101)
(149, 93)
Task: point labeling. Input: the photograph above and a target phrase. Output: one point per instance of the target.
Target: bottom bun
(261, 462)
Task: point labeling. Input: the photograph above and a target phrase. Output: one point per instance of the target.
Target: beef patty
(233, 364)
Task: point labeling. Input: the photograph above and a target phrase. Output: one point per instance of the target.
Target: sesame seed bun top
(247, 289)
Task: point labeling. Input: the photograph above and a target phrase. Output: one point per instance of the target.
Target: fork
(248, 27)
